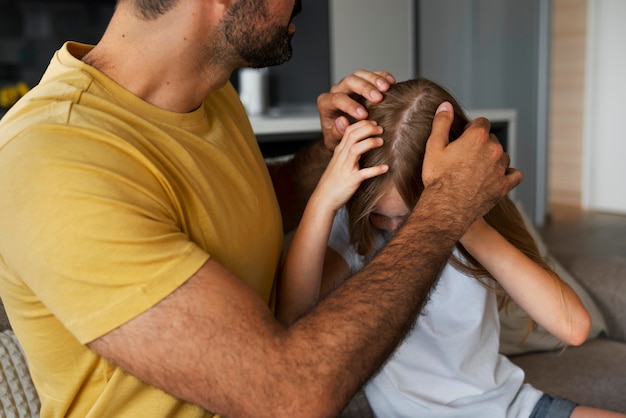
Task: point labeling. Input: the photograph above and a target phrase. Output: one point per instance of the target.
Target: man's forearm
(360, 324)
(295, 180)
(226, 343)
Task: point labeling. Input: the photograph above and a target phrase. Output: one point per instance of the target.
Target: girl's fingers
(358, 132)
(365, 145)
(369, 172)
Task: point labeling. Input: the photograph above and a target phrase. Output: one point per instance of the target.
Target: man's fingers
(335, 104)
(368, 84)
(444, 116)
(514, 177)
(376, 82)
(343, 104)
(483, 124)
(381, 78)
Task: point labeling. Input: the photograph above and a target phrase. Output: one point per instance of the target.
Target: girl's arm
(336, 271)
(545, 297)
(300, 280)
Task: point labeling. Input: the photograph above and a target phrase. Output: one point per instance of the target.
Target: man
(141, 235)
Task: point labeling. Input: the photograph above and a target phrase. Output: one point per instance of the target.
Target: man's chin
(267, 60)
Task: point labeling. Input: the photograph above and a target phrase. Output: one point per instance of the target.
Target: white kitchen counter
(291, 120)
(305, 119)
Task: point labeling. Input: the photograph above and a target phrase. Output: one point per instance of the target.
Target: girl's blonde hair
(406, 114)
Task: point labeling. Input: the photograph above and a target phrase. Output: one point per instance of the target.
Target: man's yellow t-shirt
(107, 205)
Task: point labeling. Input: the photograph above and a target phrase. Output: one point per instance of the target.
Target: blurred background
(556, 64)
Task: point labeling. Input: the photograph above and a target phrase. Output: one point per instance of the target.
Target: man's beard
(258, 49)
(277, 50)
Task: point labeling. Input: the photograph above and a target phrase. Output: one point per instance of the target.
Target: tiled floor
(571, 230)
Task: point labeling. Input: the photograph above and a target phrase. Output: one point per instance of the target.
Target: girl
(449, 364)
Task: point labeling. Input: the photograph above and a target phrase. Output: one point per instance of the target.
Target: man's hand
(473, 170)
(342, 102)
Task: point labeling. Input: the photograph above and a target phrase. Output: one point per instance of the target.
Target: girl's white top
(448, 365)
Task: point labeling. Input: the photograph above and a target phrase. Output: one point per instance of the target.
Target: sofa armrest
(604, 277)
(4, 321)
(591, 374)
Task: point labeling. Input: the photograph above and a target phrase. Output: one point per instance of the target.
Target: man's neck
(166, 62)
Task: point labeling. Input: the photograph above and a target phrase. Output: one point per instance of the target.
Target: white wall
(372, 34)
(604, 172)
(493, 54)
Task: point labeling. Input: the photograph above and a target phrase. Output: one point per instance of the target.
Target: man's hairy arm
(213, 341)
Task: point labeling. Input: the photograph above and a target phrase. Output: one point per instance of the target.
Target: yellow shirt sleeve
(107, 205)
(98, 235)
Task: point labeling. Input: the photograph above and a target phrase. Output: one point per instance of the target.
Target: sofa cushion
(4, 321)
(591, 375)
(513, 320)
(604, 277)
(18, 397)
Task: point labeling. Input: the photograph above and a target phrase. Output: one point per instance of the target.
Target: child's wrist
(320, 204)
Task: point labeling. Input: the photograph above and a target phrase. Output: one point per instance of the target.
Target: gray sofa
(593, 374)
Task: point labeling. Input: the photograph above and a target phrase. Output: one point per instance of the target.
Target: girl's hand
(301, 276)
(343, 175)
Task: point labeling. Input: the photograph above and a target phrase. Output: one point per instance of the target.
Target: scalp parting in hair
(406, 115)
